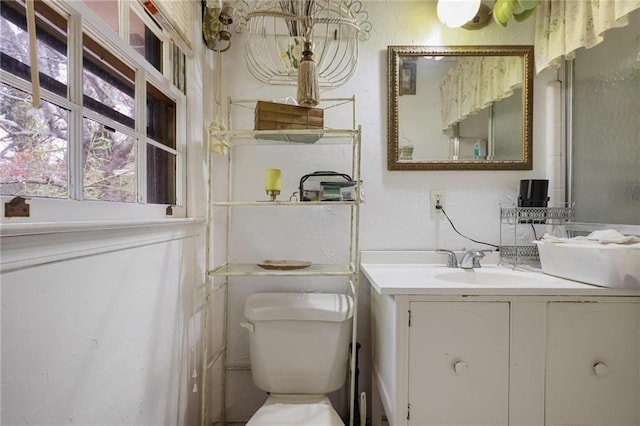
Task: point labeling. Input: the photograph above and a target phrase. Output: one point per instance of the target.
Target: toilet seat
(300, 410)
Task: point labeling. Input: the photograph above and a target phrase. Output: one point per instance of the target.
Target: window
(108, 85)
(34, 147)
(118, 139)
(34, 154)
(108, 163)
(144, 41)
(107, 10)
(606, 149)
(51, 45)
(161, 156)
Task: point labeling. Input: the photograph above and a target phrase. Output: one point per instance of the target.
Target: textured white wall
(110, 335)
(101, 337)
(395, 215)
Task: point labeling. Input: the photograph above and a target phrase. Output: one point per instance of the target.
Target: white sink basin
(424, 272)
(492, 277)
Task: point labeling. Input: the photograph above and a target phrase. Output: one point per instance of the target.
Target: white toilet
(299, 349)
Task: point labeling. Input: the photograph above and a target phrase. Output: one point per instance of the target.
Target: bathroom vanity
(494, 346)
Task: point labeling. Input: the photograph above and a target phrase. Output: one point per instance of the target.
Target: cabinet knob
(460, 367)
(601, 369)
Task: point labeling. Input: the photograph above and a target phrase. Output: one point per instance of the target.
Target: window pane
(606, 129)
(161, 165)
(105, 9)
(33, 146)
(161, 117)
(51, 45)
(109, 164)
(161, 176)
(108, 84)
(144, 41)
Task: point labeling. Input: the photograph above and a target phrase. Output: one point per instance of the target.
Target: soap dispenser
(480, 149)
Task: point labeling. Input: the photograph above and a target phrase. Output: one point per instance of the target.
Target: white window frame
(82, 19)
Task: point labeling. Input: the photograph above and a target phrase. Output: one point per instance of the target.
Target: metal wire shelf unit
(221, 276)
(546, 215)
(250, 269)
(283, 203)
(518, 230)
(227, 138)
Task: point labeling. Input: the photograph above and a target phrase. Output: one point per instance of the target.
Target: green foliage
(520, 10)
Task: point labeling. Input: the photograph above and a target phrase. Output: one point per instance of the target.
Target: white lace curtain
(475, 83)
(563, 26)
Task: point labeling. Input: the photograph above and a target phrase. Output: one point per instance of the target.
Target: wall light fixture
(456, 13)
(215, 22)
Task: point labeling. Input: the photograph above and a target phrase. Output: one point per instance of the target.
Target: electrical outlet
(437, 199)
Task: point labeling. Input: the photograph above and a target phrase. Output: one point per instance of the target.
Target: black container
(533, 193)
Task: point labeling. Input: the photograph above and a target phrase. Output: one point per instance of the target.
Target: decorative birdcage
(276, 31)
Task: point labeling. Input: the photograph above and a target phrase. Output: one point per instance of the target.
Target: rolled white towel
(605, 236)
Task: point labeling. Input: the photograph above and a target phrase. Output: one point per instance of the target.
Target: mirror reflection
(459, 107)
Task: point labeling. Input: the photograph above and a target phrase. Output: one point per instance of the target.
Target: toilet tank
(299, 342)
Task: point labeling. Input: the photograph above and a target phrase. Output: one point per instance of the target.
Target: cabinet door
(593, 364)
(459, 363)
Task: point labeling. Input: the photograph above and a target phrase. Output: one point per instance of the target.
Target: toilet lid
(300, 410)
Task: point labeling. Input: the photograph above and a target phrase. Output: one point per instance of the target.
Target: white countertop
(423, 272)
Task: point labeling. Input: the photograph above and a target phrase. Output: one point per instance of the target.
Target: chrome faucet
(452, 260)
(471, 259)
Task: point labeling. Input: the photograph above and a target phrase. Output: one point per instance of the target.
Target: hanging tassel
(308, 92)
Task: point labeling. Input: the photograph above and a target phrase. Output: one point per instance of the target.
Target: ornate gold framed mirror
(459, 107)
